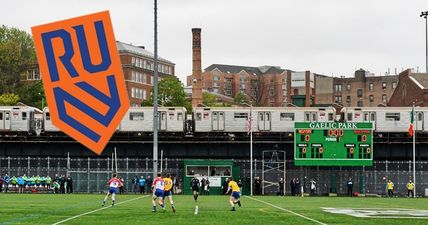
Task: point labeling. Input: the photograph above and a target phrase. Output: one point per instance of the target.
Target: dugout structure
(216, 171)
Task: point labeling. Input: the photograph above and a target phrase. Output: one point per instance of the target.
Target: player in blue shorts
(114, 184)
(158, 187)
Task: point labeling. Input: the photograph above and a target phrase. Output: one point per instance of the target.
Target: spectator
(213, 171)
(69, 184)
(410, 188)
(122, 187)
(240, 184)
(203, 186)
(149, 184)
(350, 186)
(7, 180)
(135, 184)
(313, 186)
(14, 182)
(1, 182)
(48, 182)
(227, 172)
(37, 181)
(174, 187)
(142, 185)
(207, 187)
(62, 181)
(56, 186)
(293, 187)
(225, 185)
(258, 186)
(281, 186)
(21, 183)
(390, 187)
(297, 187)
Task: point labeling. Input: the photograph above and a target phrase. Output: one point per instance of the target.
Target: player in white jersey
(114, 184)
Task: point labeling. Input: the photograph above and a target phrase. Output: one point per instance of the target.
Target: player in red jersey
(114, 184)
(158, 187)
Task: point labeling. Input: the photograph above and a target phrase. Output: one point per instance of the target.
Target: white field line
(96, 210)
(287, 210)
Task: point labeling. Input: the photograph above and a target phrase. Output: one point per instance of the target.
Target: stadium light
(424, 15)
(250, 125)
(155, 93)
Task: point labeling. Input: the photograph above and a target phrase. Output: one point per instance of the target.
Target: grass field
(136, 209)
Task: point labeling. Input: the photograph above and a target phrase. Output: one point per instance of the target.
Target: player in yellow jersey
(167, 191)
(235, 194)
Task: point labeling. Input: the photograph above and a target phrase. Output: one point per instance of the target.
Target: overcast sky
(331, 37)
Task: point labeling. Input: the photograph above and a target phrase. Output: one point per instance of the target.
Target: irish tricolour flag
(411, 128)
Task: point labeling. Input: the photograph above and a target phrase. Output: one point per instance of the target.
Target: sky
(330, 37)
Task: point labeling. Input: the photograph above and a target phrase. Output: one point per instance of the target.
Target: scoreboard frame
(314, 140)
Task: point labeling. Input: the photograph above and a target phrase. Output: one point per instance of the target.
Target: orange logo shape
(82, 77)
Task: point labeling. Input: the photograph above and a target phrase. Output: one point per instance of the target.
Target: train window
(240, 116)
(420, 115)
(7, 116)
(307, 117)
(24, 115)
(330, 116)
(287, 116)
(261, 116)
(1, 116)
(314, 117)
(392, 116)
(48, 116)
(349, 116)
(198, 116)
(372, 116)
(136, 116)
(179, 116)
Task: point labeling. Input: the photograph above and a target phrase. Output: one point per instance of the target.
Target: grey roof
(421, 78)
(249, 69)
(124, 47)
(233, 69)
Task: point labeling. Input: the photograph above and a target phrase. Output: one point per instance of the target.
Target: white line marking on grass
(287, 210)
(96, 210)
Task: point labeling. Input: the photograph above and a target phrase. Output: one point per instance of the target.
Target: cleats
(239, 203)
(112, 204)
(104, 203)
(233, 209)
(196, 210)
(173, 209)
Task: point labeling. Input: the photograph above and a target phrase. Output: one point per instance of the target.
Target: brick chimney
(197, 68)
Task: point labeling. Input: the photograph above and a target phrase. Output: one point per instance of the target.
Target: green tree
(209, 99)
(241, 98)
(16, 55)
(170, 93)
(9, 99)
(33, 94)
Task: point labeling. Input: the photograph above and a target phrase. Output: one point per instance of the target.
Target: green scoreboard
(333, 144)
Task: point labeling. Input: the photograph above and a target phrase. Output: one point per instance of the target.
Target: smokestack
(197, 70)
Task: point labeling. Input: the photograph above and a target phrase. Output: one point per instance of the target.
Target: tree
(9, 99)
(170, 93)
(241, 98)
(16, 55)
(33, 94)
(209, 99)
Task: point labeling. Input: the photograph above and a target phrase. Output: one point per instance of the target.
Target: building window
(144, 94)
(348, 87)
(360, 104)
(392, 116)
(384, 99)
(371, 98)
(360, 93)
(338, 99)
(394, 85)
(384, 85)
(287, 116)
(216, 78)
(348, 99)
(371, 86)
(136, 116)
(338, 87)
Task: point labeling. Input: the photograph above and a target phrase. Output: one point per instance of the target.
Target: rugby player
(158, 187)
(167, 192)
(114, 184)
(235, 194)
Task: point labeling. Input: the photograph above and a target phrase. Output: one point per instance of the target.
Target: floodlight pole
(414, 150)
(155, 93)
(250, 127)
(424, 15)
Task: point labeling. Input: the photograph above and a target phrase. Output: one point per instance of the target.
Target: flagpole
(414, 150)
(251, 148)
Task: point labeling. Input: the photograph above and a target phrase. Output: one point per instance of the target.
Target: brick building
(364, 89)
(265, 85)
(412, 88)
(138, 68)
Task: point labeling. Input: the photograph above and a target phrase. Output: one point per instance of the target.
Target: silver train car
(18, 118)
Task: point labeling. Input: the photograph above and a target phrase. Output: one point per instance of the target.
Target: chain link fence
(91, 174)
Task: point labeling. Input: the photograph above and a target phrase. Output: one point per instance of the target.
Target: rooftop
(124, 47)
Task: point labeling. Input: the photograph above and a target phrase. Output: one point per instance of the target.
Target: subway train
(30, 120)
